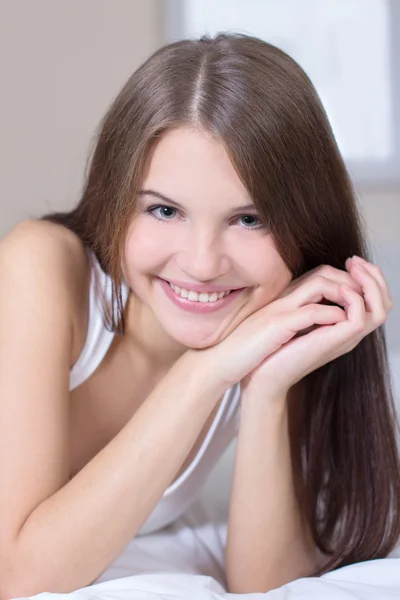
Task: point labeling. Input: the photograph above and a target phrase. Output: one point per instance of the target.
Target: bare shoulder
(56, 257)
(50, 248)
(43, 236)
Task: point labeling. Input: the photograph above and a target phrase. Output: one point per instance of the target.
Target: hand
(265, 352)
(366, 303)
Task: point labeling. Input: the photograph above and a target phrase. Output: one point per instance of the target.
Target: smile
(199, 303)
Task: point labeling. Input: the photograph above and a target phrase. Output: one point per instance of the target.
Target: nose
(203, 257)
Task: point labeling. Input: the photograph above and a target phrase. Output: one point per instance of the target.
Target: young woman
(213, 280)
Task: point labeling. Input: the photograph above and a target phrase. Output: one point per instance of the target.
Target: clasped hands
(363, 294)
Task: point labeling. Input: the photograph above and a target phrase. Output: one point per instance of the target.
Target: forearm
(74, 535)
(267, 543)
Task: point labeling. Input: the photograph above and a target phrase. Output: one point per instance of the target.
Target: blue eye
(150, 211)
(251, 217)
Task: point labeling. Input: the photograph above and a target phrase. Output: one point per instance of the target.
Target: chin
(196, 342)
(201, 346)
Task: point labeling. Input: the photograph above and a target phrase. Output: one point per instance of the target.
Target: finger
(334, 339)
(313, 314)
(331, 273)
(326, 342)
(344, 335)
(372, 294)
(340, 276)
(376, 272)
(295, 283)
(282, 328)
(315, 290)
(354, 306)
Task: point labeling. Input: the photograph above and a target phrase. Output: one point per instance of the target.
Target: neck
(144, 334)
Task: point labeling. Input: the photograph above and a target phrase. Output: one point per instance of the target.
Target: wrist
(199, 368)
(274, 405)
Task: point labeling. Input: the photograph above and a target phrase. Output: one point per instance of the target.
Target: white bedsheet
(185, 561)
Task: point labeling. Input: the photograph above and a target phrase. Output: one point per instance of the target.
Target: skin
(207, 242)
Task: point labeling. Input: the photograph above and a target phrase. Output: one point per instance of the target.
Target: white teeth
(195, 297)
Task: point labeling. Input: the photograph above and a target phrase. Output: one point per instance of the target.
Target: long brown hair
(262, 106)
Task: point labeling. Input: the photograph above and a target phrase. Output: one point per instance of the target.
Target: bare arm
(268, 543)
(75, 534)
(58, 534)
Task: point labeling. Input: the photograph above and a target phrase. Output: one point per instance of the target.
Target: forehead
(191, 160)
(188, 138)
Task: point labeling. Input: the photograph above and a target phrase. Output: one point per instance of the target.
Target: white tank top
(179, 495)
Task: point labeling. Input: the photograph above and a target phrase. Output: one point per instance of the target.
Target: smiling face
(209, 240)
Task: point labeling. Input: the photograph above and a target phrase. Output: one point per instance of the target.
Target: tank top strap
(99, 338)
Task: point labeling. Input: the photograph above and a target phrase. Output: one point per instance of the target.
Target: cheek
(273, 276)
(144, 250)
(142, 241)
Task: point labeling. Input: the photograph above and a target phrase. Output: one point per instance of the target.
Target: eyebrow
(170, 201)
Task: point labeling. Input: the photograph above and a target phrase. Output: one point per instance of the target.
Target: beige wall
(61, 62)
(381, 210)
